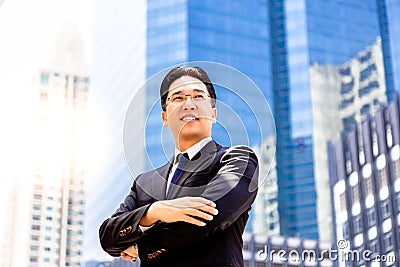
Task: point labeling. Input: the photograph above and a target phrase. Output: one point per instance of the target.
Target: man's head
(188, 102)
(176, 73)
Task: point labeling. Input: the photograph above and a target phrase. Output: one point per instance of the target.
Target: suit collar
(193, 150)
(200, 163)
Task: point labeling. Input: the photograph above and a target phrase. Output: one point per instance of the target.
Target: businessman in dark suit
(193, 210)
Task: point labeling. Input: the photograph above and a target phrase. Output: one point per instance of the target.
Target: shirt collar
(193, 150)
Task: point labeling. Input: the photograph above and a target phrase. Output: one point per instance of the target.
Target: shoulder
(241, 152)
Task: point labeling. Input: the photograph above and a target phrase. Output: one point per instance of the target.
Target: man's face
(189, 113)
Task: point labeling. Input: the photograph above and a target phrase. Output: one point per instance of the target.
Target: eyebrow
(195, 90)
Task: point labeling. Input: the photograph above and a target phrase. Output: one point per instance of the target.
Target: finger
(207, 209)
(125, 257)
(199, 213)
(203, 201)
(131, 251)
(191, 220)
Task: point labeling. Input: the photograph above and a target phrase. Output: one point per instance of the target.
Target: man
(193, 210)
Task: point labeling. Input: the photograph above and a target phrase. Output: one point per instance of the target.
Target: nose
(189, 104)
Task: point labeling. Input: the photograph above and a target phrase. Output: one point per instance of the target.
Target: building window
(36, 217)
(34, 248)
(33, 259)
(35, 238)
(47, 238)
(388, 243)
(398, 201)
(35, 227)
(385, 209)
(383, 179)
(373, 246)
(368, 186)
(345, 230)
(44, 78)
(371, 218)
(357, 224)
(49, 218)
(354, 191)
(46, 260)
(343, 202)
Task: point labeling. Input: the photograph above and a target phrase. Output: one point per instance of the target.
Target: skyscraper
(306, 34)
(365, 177)
(50, 201)
(46, 212)
(235, 34)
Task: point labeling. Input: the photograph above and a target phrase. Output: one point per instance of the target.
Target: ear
(164, 118)
(214, 115)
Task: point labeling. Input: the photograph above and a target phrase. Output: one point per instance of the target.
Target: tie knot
(182, 157)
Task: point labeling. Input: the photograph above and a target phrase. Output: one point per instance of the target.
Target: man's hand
(184, 209)
(130, 254)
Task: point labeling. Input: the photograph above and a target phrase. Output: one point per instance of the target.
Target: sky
(28, 31)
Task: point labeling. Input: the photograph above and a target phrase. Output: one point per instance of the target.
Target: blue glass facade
(389, 22)
(306, 32)
(235, 34)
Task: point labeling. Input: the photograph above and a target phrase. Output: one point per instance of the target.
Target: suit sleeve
(233, 189)
(121, 230)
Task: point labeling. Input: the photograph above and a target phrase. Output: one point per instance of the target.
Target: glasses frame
(185, 97)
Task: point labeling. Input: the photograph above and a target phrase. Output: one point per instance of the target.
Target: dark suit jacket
(228, 176)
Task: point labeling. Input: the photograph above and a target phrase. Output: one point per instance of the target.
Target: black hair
(192, 71)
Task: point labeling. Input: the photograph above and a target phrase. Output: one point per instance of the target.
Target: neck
(184, 144)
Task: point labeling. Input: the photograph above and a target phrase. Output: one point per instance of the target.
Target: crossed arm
(182, 221)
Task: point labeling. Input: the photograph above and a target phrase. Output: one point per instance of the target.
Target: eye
(177, 98)
(198, 97)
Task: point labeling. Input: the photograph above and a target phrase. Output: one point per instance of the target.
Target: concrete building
(365, 178)
(264, 219)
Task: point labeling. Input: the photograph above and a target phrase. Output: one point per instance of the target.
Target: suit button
(158, 251)
(162, 250)
(150, 256)
(121, 233)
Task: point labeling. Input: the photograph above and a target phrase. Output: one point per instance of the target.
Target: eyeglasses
(182, 98)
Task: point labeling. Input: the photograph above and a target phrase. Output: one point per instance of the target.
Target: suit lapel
(200, 162)
(159, 181)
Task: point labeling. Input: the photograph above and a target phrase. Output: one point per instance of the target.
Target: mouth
(189, 118)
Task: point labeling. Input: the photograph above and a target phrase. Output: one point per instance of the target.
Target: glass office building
(235, 34)
(303, 34)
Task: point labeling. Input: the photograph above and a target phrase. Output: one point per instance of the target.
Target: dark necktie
(182, 159)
